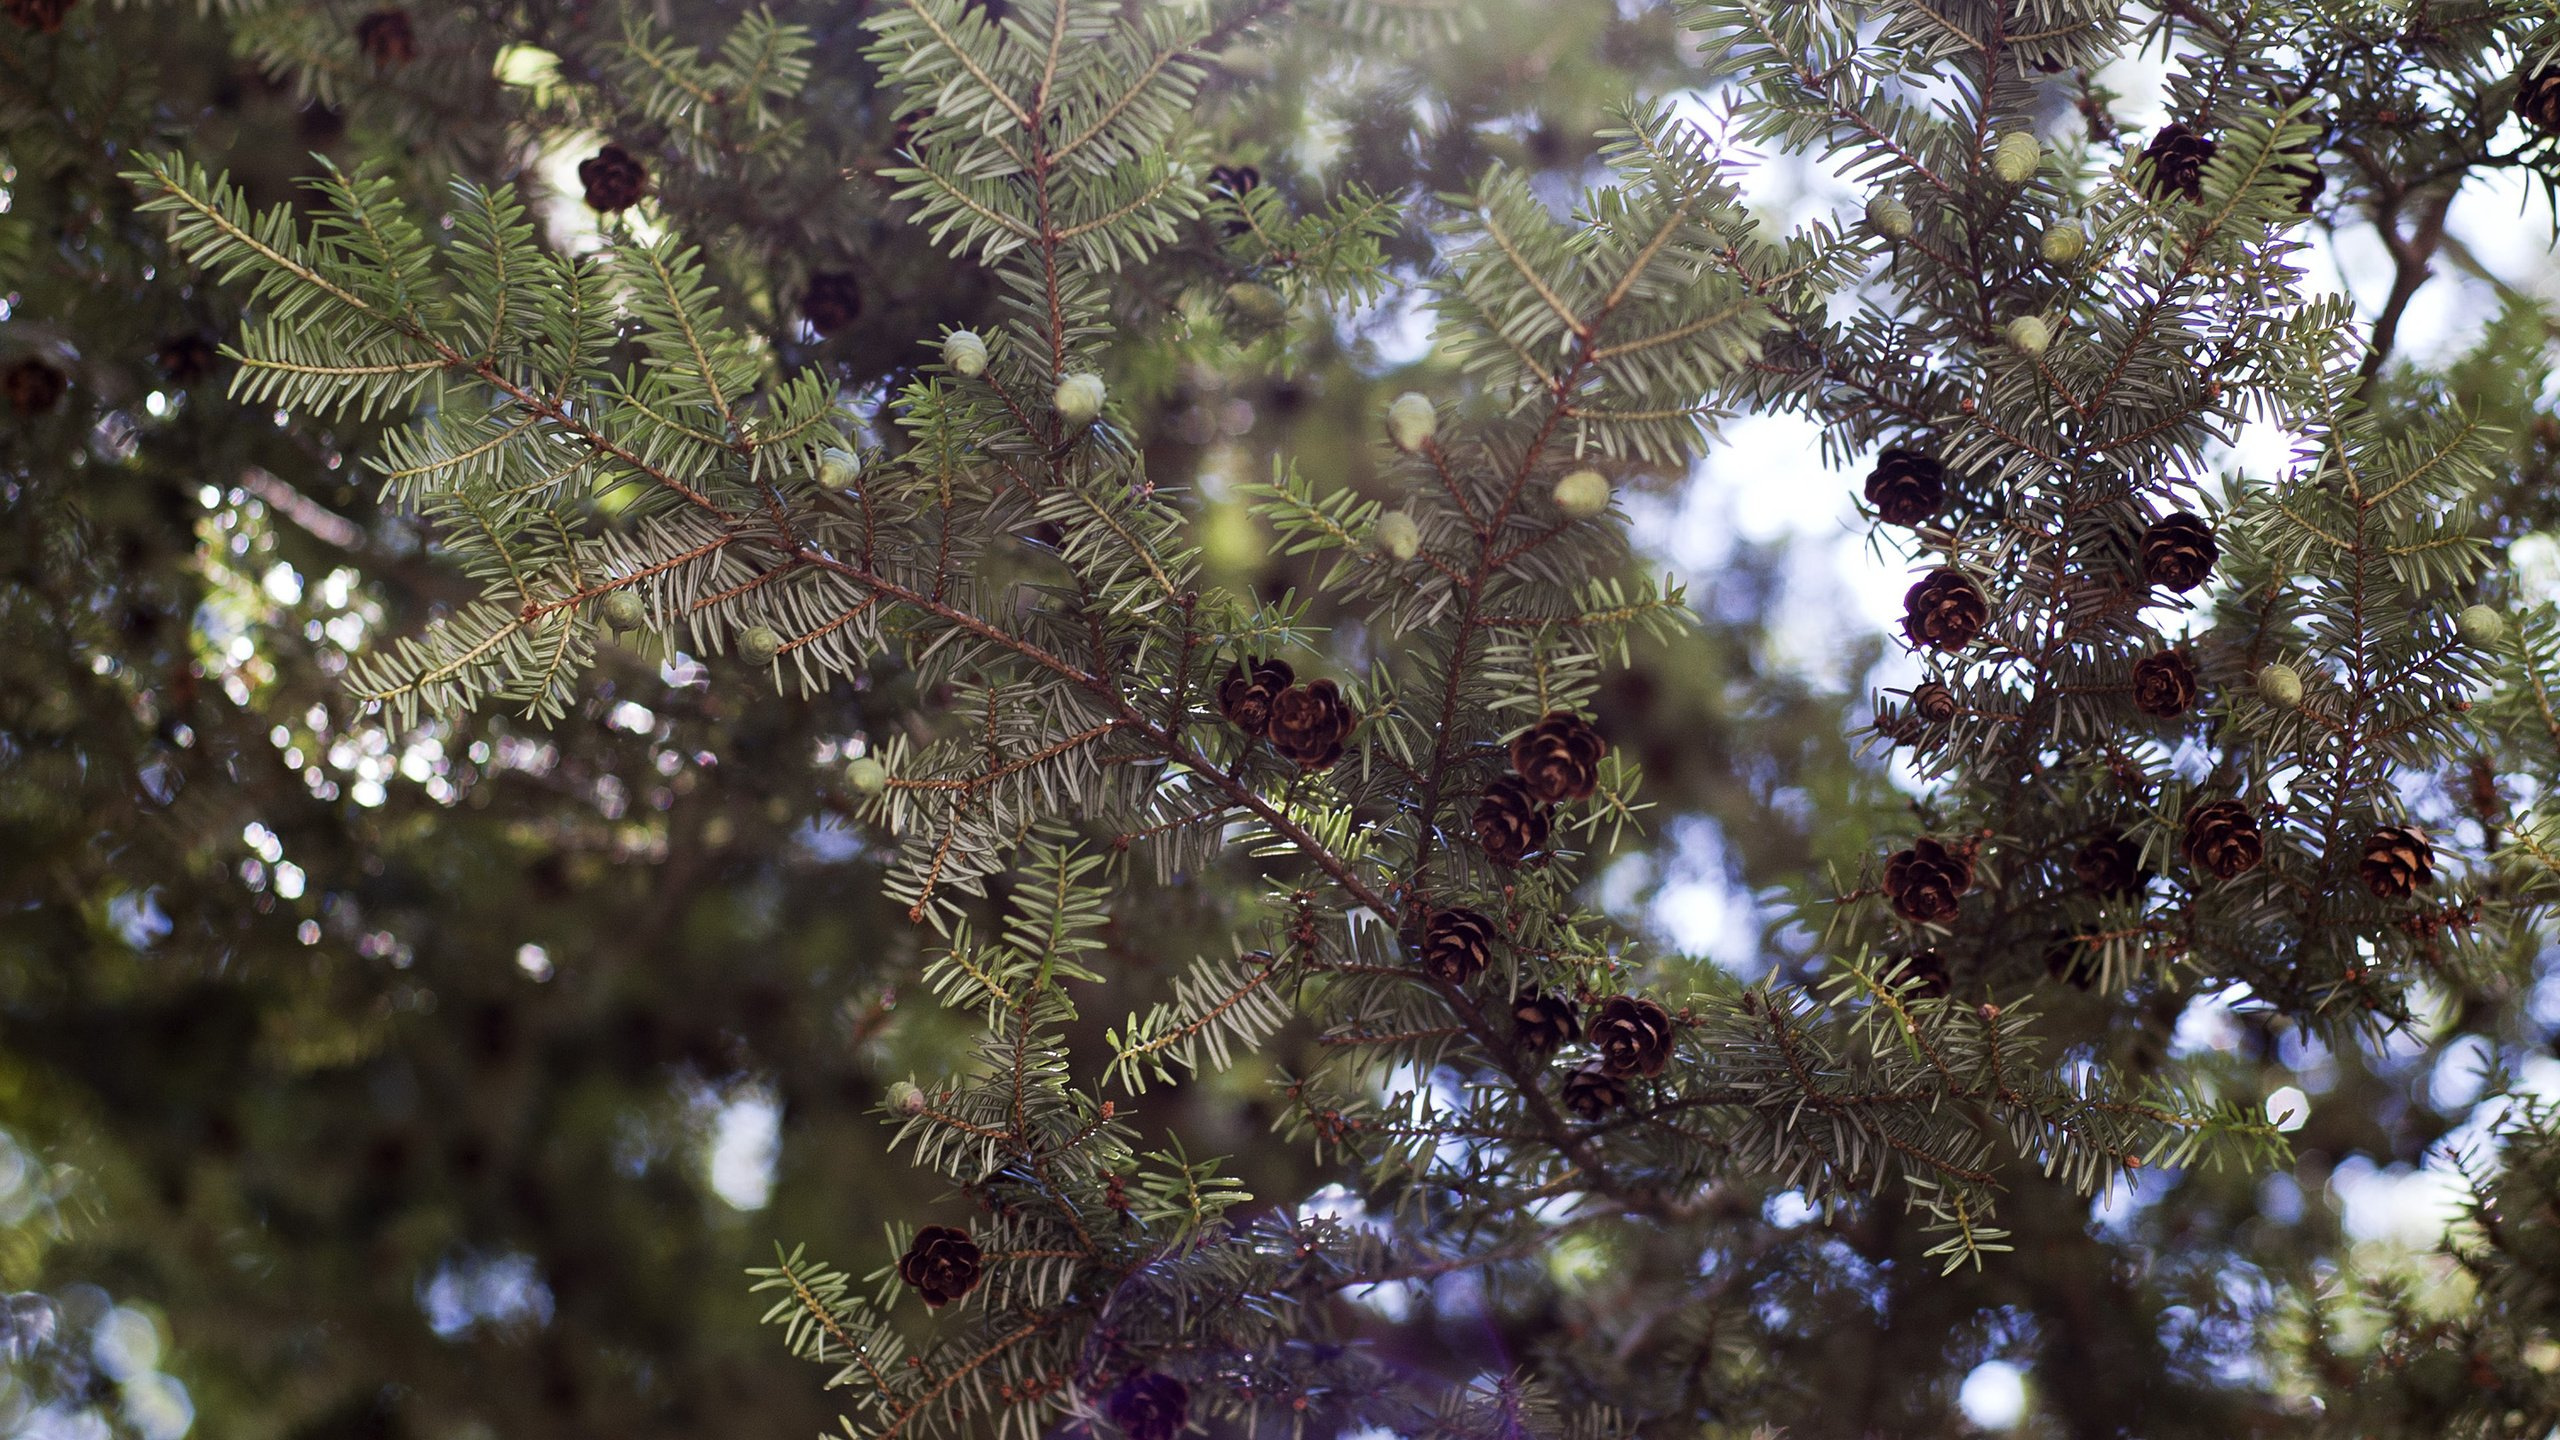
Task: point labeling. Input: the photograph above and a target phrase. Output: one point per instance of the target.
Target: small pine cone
(1633, 1035)
(2178, 551)
(1457, 945)
(2397, 861)
(2538, 98)
(386, 38)
(1310, 722)
(1232, 181)
(1944, 611)
(2222, 836)
(1149, 1406)
(1927, 972)
(1934, 702)
(33, 386)
(1906, 487)
(942, 1264)
(2164, 684)
(1245, 695)
(832, 302)
(2110, 864)
(615, 179)
(2177, 155)
(1511, 824)
(186, 359)
(42, 16)
(1925, 882)
(1559, 757)
(1540, 1023)
(1592, 1091)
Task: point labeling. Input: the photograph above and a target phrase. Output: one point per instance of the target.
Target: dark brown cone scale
(942, 1264)
(386, 38)
(42, 16)
(2164, 684)
(2538, 99)
(1633, 1036)
(1906, 487)
(1245, 695)
(1511, 824)
(2397, 862)
(2222, 837)
(615, 179)
(1310, 722)
(832, 302)
(1934, 702)
(1927, 972)
(2178, 551)
(1559, 757)
(2110, 864)
(1457, 945)
(1149, 1406)
(1542, 1023)
(1944, 611)
(1232, 181)
(2312, 180)
(2177, 155)
(33, 386)
(1592, 1091)
(1924, 882)
(186, 359)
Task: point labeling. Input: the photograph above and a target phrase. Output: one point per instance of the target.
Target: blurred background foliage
(369, 1084)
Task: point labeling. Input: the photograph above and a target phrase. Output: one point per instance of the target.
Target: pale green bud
(1582, 494)
(838, 469)
(906, 1099)
(866, 776)
(759, 643)
(965, 352)
(1889, 217)
(2015, 158)
(2028, 335)
(623, 610)
(1257, 305)
(2481, 627)
(2280, 684)
(1398, 536)
(1078, 399)
(2062, 243)
(1412, 420)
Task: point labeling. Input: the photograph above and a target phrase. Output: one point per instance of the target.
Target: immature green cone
(623, 610)
(2280, 684)
(1258, 305)
(2028, 335)
(1889, 218)
(965, 352)
(837, 470)
(1398, 536)
(866, 776)
(2481, 627)
(1583, 494)
(1078, 400)
(759, 643)
(2015, 158)
(906, 1098)
(2063, 243)
(1412, 420)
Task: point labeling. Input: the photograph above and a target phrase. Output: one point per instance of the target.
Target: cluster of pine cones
(1552, 762)
(1307, 723)
(1631, 1035)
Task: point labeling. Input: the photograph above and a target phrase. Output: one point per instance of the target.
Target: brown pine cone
(1148, 1406)
(1944, 611)
(1592, 1091)
(33, 386)
(42, 16)
(2538, 99)
(1310, 722)
(1457, 945)
(186, 359)
(1927, 971)
(2397, 861)
(2110, 864)
(1633, 1036)
(1245, 695)
(1934, 702)
(1510, 823)
(2164, 684)
(2222, 836)
(2177, 155)
(386, 39)
(1924, 882)
(2178, 551)
(942, 1264)
(1232, 181)
(1559, 757)
(1906, 487)
(1541, 1022)
(615, 179)
(832, 302)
